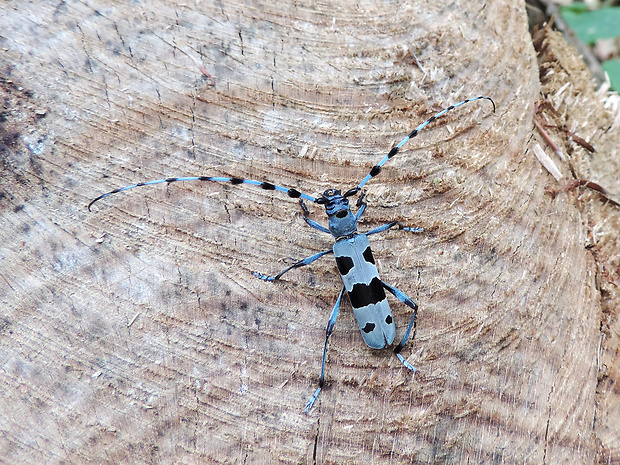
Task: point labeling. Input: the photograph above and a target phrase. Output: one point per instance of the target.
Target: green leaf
(577, 7)
(613, 69)
(592, 25)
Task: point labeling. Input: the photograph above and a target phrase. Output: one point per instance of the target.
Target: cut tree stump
(136, 333)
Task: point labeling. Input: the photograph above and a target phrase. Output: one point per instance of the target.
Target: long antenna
(293, 193)
(377, 168)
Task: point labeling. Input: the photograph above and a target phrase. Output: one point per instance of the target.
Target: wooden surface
(137, 333)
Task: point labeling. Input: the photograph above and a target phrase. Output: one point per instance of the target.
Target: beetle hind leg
(404, 298)
(328, 332)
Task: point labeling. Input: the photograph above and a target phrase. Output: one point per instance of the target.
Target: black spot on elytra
(365, 294)
(344, 265)
(389, 320)
(369, 328)
(368, 255)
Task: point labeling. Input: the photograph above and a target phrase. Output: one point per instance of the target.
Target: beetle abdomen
(366, 293)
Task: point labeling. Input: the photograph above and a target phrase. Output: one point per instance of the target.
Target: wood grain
(137, 333)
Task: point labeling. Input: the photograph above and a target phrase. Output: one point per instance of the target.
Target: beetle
(351, 249)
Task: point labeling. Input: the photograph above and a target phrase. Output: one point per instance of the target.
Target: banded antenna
(294, 193)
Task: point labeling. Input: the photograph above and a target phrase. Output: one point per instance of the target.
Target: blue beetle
(351, 249)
